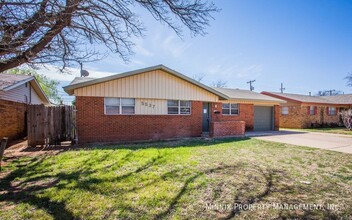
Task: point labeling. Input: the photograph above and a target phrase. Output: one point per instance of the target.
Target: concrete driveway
(335, 142)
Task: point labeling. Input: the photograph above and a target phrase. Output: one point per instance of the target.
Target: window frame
(285, 107)
(120, 106)
(310, 110)
(330, 112)
(179, 106)
(230, 109)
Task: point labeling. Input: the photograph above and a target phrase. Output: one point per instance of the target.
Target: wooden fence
(51, 125)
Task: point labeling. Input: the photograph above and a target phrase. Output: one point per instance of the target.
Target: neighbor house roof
(341, 99)
(240, 94)
(337, 99)
(12, 81)
(79, 82)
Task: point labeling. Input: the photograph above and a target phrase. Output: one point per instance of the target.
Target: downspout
(30, 93)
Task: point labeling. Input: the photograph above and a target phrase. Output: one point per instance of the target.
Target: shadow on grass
(181, 143)
(32, 195)
(161, 144)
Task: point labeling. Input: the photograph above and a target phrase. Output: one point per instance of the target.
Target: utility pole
(282, 88)
(80, 63)
(250, 84)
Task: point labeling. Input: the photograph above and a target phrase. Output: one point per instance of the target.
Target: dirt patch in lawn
(21, 149)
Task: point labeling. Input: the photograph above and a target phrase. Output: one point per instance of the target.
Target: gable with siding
(24, 93)
(22, 89)
(155, 84)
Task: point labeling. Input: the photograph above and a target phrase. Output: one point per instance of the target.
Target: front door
(206, 116)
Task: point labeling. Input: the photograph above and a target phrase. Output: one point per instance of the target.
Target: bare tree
(328, 92)
(199, 77)
(346, 116)
(349, 79)
(63, 31)
(219, 83)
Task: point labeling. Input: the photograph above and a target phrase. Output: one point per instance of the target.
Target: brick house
(16, 92)
(159, 103)
(304, 111)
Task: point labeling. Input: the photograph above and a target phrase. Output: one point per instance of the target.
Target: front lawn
(339, 130)
(195, 179)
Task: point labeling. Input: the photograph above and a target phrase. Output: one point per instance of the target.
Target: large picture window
(230, 109)
(178, 107)
(117, 106)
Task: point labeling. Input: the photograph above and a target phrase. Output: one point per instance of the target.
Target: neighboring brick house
(16, 92)
(304, 111)
(159, 103)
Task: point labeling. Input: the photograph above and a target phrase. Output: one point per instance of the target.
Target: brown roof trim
(280, 97)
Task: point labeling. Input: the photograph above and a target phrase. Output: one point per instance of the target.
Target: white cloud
(254, 70)
(174, 46)
(139, 49)
(234, 71)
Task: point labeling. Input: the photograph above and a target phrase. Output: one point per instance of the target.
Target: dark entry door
(206, 116)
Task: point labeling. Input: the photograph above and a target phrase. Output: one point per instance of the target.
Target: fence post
(2, 148)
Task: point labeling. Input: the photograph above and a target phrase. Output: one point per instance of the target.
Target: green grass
(178, 180)
(340, 130)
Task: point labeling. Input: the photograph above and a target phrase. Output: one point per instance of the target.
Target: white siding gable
(23, 94)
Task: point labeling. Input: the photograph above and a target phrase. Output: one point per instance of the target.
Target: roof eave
(280, 97)
(17, 84)
(258, 100)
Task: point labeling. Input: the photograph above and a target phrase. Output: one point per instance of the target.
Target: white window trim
(288, 110)
(238, 104)
(120, 106)
(179, 107)
(310, 110)
(329, 111)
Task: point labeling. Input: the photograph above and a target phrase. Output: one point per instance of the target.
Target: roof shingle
(7, 80)
(240, 94)
(336, 99)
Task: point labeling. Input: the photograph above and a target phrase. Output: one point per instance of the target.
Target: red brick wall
(12, 118)
(94, 126)
(277, 113)
(227, 128)
(298, 116)
(246, 115)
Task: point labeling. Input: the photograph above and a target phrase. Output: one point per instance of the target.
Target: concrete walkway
(335, 142)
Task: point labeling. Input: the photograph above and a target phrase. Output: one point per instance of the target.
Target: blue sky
(307, 45)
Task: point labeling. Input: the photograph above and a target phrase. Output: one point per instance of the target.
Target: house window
(312, 110)
(116, 106)
(127, 106)
(284, 110)
(331, 110)
(230, 109)
(178, 107)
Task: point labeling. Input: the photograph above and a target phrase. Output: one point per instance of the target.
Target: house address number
(146, 104)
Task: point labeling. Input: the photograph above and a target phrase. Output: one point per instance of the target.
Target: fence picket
(50, 125)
